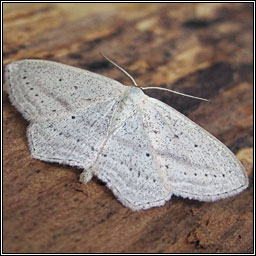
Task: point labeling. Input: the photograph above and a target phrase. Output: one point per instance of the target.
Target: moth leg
(86, 176)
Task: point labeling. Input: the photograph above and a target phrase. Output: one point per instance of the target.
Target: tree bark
(202, 49)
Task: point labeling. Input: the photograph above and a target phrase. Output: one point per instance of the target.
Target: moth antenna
(146, 88)
(125, 72)
(168, 90)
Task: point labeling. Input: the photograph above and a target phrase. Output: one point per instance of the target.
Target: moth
(144, 150)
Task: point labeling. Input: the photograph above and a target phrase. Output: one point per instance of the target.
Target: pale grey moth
(144, 150)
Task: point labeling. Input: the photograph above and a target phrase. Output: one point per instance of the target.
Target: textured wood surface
(200, 49)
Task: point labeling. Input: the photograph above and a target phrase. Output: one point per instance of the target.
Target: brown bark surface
(200, 49)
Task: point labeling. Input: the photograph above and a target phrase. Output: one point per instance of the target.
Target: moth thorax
(133, 95)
